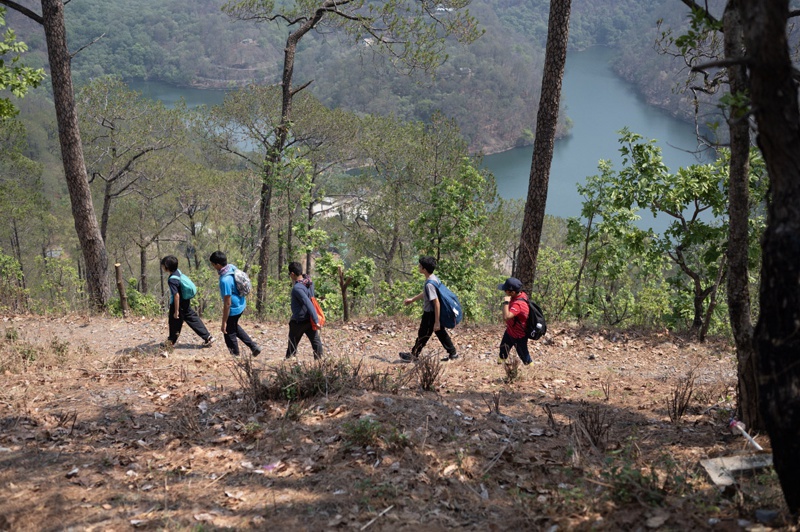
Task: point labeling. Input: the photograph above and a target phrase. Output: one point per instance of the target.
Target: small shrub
(139, 303)
(362, 432)
(595, 421)
(513, 368)
(678, 402)
(294, 381)
(60, 349)
(12, 335)
(388, 382)
(428, 369)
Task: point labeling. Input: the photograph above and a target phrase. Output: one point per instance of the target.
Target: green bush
(139, 303)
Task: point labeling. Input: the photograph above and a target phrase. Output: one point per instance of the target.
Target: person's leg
(316, 341)
(191, 318)
(245, 338)
(175, 324)
(447, 342)
(231, 334)
(295, 334)
(522, 350)
(424, 333)
(505, 345)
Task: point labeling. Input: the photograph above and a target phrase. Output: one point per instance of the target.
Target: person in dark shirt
(180, 309)
(303, 313)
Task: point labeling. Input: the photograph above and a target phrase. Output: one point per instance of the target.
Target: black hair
(429, 263)
(296, 268)
(170, 262)
(218, 257)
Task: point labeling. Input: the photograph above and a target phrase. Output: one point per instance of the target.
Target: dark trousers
(185, 314)
(520, 343)
(425, 332)
(296, 331)
(234, 333)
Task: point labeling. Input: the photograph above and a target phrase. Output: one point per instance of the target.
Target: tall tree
(546, 122)
(69, 135)
(411, 32)
(696, 47)
(773, 92)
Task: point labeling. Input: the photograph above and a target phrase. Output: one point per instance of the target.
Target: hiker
(303, 313)
(515, 312)
(233, 305)
(180, 305)
(430, 314)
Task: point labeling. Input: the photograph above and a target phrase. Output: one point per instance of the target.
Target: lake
(599, 105)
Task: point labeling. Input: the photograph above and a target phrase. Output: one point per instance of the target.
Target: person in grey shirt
(430, 314)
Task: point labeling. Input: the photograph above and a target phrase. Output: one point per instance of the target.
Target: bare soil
(101, 429)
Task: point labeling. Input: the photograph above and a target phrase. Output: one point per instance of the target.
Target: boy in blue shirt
(180, 309)
(233, 306)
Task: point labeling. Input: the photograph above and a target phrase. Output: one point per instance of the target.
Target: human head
(218, 258)
(295, 269)
(170, 263)
(428, 264)
(512, 284)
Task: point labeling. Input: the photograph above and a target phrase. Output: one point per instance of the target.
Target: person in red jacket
(515, 312)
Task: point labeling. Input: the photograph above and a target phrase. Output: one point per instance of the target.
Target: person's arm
(226, 311)
(507, 315)
(177, 299)
(436, 325)
(417, 297)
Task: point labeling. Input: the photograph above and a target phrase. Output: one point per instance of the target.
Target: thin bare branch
(87, 45)
(24, 10)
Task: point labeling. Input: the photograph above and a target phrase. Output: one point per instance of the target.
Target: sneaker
(255, 352)
(454, 356)
(501, 360)
(408, 357)
(208, 341)
(167, 344)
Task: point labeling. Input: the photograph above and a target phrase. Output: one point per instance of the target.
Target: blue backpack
(450, 312)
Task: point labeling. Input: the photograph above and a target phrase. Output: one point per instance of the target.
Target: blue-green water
(599, 104)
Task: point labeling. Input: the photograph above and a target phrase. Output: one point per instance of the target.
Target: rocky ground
(101, 429)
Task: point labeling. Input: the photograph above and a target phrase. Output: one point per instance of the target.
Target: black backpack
(535, 326)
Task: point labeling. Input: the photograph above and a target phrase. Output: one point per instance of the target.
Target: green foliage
(390, 298)
(296, 381)
(450, 228)
(12, 295)
(140, 304)
(59, 289)
(363, 432)
(14, 76)
(621, 261)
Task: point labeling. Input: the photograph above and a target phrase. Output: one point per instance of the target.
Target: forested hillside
(490, 87)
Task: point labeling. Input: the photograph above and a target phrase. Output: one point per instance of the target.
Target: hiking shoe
(454, 356)
(408, 357)
(501, 360)
(255, 352)
(208, 341)
(167, 344)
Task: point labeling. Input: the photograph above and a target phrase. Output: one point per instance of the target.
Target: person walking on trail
(430, 314)
(515, 313)
(303, 313)
(180, 308)
(233, 306)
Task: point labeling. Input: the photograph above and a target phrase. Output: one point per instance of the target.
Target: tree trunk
(774, 104)
(546, 122)
(92, 244)
(738, 238)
